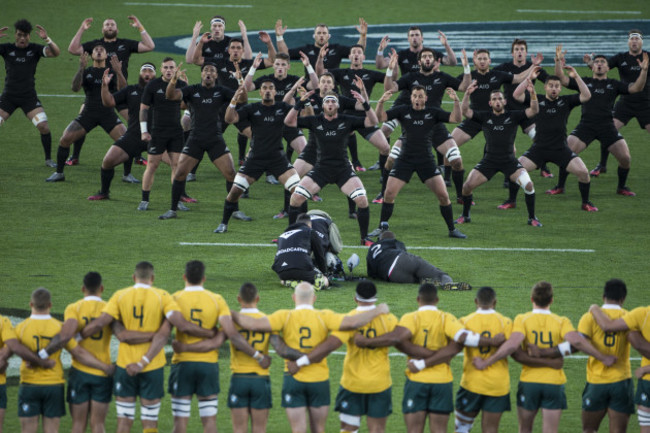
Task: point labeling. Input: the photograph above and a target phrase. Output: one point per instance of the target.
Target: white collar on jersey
(92, 298)
(141, 286)
(483, 311)
(541, 311)
(40, 316)
(304, 307)
(612, 307)
(194, 288)
(366, 307)
(249, 310)
(428, 308)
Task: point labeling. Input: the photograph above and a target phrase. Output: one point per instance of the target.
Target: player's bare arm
(283, 350)
(279, 37)
(146, 43)
(75, 47)
(123, 335)
(78, 77)
(450, 58)
(172, 93)
(639, 84)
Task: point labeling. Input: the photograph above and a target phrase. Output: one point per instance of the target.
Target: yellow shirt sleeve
(7, 331)
(277, 319)
(112, 306)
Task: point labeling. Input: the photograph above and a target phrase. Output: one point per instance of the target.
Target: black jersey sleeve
(122, 95)
(395, 112)
(244, 112)
(319, 252)
(147, 94)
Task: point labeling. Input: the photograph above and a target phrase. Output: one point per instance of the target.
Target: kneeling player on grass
(500, 128)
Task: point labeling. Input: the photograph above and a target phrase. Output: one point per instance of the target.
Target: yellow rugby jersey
(140, 308)
(544, 329)
(203, 308)
(431, 328)
(35, 333)
(303, 329)
(495, 380)
(639, 320)
(609, 343)
(239, 361)
(7, 332)
(83, 311)
(367, 370)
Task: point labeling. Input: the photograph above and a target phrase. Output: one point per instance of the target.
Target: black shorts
(606, 133)
(526, 122)
(310, 153)
(289, 134)
(10, 103)
(254, 167)
(131, 144)
(170, 143)
(368, 132)
(214, 148)
(470, 127)
(339, 175)
(426, 169)
(90, 118)
(308, 275)
(561, 157)
(489, 168)
(120, 107)
(440, 135)
(239, 125)
(625, 111)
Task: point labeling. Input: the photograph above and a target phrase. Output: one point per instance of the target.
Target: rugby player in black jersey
(19, 91)
(500, 129)
(266, 154)
(597, 121)
(130, 144)
(94, 113)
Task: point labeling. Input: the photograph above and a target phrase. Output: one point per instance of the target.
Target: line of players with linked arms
(142, 317)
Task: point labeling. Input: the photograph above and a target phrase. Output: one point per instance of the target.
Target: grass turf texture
(52, 235)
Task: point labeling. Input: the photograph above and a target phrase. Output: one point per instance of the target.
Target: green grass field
(51, 235)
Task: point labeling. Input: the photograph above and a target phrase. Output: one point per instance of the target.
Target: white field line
(535, 250)
(559, 11)
(189, 5)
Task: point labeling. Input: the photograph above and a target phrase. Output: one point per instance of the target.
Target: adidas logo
(89, 76)
(408, 116)
(319, 127)
(489, 122)
(134, 93)
(345, 77)
(285, 264)
(196, 95)
(416, 83)
(12, 54)
(543, 104)
(208, 50)
(405, 61)
(257, 113)
(311, 53)
(624, 64)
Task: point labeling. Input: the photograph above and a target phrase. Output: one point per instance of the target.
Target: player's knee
(241, 182)
(524, 181)
(302, 192)
(208, 408)
(394, 152)
(125, 409)
(463, 423)
(351, 421)
(292, 182)
(453, 154)
(181, 407)
(38, 119)
(2, 120)
(532, 133)
(149, 412)
(358, 193)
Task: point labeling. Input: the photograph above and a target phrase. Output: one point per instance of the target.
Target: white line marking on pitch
(558, 11)
(187, 5)
(543, 250)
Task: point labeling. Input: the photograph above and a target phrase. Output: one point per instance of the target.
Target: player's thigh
(620, 150)
(437, 185)
(239, 418)
(225, 165)
(351, 184)
(318, 417)
(297, 417)
(117, 131)
(527, 163)
(474, 179)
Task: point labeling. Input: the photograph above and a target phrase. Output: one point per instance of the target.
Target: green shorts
(618, 396)
(249, 391)
(46, 400)
(147, 385)
(468, 401)
(304, 394)
(189, 378)
(642, 393)
(3, 396)
(532, 396)
(428, 397)
(83, 387)
(376, 405)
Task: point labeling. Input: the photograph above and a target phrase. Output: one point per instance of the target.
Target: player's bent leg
(302, 167)
(643, 415)
(289, 179)
(298, 143)
(185, 164)
(438, 187)
(114, 157)
(98, 412)
(241, 184)
(208, 408)
(577, 167)
(473, 181)
(618, 124)
(149, 410)
(618, 421)
(181, 407)
(529, 165)
(378, 140)
(393, 187)
(72, 133)
(125, 407)
(3, 116)
(297, 417)
(575, 144)
(526, 419)
(79, 414)
(415, 421)
(226, 166)
(354, 189)
(464, 421)
(438, 422)
(317, 418)
(490, 421)
(621, 152)
(153, 161)
(304, 191)
(591, 420)
(39, 119)
(259, 419)
(522, 178)
(118, 131)
(460, 136)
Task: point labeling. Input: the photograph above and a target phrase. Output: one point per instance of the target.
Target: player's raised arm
(191, 48)
(450, 58)
(146, 43)
(75, 47)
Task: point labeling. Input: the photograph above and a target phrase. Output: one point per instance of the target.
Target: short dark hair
(428, 293)
(486, 296)
(483, 50)
(24, 26)
(615, 289)
(418, 87)
(518, 41)
(236, 40)
(553, 78)
(601, 56)
(386, 235)
(92, 282)
(428, 50)
(168, 59)
(248, 292)
(322, 25)
(266, 80)
(542, 294)
(356, 46)
(283, 56)
(205, 64)
(143, 270)
(194, 271)
(414, 28)
(328, 74)
(497, 91)
(98, 44)
(41, 298)
(303, 218)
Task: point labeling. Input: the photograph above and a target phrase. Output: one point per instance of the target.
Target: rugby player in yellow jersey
(41, 390)
(542, 387)
(366, 383)
(144, 308)
(428, 387)
(304, 328)
(9, 344)
(637, 322)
